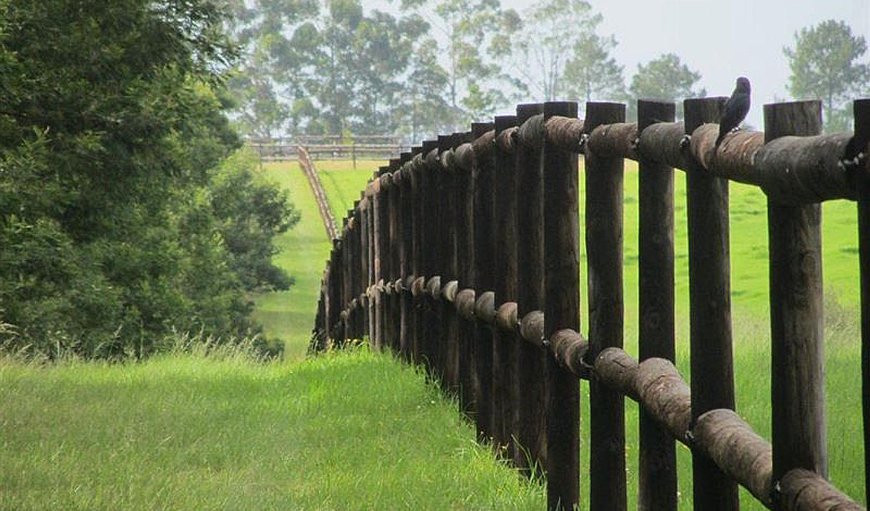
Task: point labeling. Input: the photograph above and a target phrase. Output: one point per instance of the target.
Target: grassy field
(190, 432)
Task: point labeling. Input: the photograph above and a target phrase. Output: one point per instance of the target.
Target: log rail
(463, 255)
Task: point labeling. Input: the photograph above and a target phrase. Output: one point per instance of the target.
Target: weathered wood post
(353, 272)
(396, 221)
(530, 390)
(335, 327)
(371, 223)
(364, 265)
(505, 285)
(430, 249)
(796, 312)
(861, 109)
(406, 215)
(466, 257)
(391, 314)
(604, 226)
(657, 474)
(712, 381)
(449, 318)
(562, 311)
(416, 265)
(380, 228)
(346, 277)
(484, 271)
(383, 260)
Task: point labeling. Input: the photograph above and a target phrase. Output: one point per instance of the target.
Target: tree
(554, 61)
(591, 72)
(111, 132)
(664, 78)
(824, 64)
(477, 39)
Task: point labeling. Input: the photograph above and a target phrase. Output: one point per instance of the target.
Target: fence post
(712, 381)
(416, 267)
(465, 254)
(336, 306)
(378, 259)
(530, 390)
(449, 263)
(484, 274)
(353, 271)
(657, 474)
(505, 285)
(861, 109)
(406, 207)
(562, 310)
(372, 222)
(395, 247)
(604, 226)
(796, 310)
(429, 248)
(364, 209)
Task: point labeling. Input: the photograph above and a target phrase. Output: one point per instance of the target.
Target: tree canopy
(825, 64)
(115, 218)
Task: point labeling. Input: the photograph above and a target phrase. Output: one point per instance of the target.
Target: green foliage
(665, 78)
(110, 132)
(555, 62)
(825, 64)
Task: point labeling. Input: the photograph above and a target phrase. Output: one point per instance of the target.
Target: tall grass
(194, 431)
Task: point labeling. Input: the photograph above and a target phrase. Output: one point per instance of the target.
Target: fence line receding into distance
(463, 255)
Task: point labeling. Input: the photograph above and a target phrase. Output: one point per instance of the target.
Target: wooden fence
(327, 148)
(463, 255)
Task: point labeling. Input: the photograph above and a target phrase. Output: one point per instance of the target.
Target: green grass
(289, 315)
(749, 282)
(191, 432)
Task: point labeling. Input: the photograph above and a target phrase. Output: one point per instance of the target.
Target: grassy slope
(187, 432)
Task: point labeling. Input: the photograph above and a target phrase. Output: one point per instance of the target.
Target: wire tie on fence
(545, 342)
(581, 144)
(690, 437)
(685, 141)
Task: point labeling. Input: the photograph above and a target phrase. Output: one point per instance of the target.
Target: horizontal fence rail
(464, 255)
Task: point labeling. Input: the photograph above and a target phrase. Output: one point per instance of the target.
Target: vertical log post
(562, 310)
(335, 292)
(429, 248)
(416, 267)
(378, 237)
(406, 208)
(364, 211)
(384, 323)
(449, 318)
(445, 252)
(465, 254)
(530, 391)
(604, 226)
(657, 474)
(796, 310)
(371, 222)
(396, 247)
(484, 274)
(712, 381)
(392, 322)
(346, 276)
(861, 109)
(354, 270)
(505, 284)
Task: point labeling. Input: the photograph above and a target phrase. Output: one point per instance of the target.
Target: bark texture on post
(484, 276)
(796, 312)
(710, 306)
(505, 285)
(530, 394)
(657, 474)
(861, 109)
(465, 256)
(562, 311)
(604, 225)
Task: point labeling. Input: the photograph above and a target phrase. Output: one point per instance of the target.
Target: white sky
(721, 39)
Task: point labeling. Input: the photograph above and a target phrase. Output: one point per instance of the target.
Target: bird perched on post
(735, 110)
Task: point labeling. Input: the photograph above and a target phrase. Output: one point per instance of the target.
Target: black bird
(735, 110)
